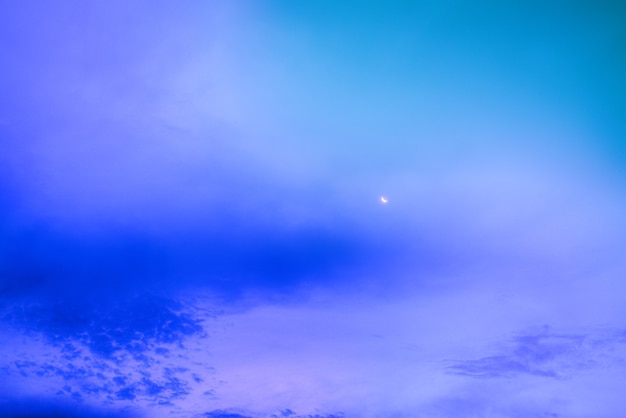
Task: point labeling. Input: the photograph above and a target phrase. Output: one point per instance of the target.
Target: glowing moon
(384, 200)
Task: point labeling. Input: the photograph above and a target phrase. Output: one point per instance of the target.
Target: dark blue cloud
(222, 414)
(286, 413)
(227, 260)
(46, 408)
(129, 325)
(95, 343)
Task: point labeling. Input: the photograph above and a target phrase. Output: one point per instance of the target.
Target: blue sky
(190, 216)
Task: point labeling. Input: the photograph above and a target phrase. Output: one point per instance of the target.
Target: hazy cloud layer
(190, 223)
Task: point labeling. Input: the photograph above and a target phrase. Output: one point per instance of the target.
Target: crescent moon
(384, 200)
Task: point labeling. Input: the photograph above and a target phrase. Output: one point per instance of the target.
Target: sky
(191, 222)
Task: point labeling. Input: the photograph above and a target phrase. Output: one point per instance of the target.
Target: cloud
(239, 151)
(545, 354)
(47, 408)
(220, 413)
(93, 354)
(131, 326)
(286, 413)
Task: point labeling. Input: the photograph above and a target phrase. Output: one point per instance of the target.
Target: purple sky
(191, 225)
